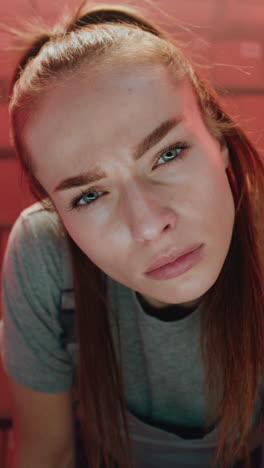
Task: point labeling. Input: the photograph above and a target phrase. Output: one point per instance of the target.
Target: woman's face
(127, 203)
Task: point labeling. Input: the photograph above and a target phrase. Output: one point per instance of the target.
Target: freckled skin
(143, 210)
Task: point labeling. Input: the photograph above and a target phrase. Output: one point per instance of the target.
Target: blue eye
(88, 197)
(85, 198)
(171, 153)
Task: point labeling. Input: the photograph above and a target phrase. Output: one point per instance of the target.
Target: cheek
(94, 242)
(82, 233)
(221, 194)
(219, 213)
(206, 199)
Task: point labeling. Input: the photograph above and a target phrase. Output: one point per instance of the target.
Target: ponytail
(115, 14)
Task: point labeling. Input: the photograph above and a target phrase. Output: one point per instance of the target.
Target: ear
(225, 155)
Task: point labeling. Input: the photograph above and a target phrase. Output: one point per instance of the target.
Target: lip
(171, 256)
(182, 264)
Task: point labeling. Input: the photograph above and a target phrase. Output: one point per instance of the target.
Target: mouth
(175, 264)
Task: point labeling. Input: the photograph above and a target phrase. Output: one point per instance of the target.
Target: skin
(147, 205)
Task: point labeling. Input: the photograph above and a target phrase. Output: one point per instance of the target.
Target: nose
(147, 212)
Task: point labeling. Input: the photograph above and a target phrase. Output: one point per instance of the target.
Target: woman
(148, 233)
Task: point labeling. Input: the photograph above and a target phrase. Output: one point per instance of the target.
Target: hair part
(232, 355)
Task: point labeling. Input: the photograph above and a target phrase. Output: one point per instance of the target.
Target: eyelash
(181, 145)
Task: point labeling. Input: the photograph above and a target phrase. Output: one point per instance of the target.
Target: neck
(184, 305)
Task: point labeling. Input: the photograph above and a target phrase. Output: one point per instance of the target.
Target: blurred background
(226, 40)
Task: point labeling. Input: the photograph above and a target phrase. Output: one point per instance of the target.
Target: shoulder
(37, 245)
(38, 222)
(32, 285)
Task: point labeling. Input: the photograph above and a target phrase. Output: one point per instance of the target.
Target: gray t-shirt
(161, 360)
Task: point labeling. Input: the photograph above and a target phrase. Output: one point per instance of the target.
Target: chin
(187, 293)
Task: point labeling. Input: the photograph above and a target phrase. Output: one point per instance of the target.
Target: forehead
(86, 113)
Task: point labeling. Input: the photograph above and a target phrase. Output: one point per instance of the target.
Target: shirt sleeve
(31, 347)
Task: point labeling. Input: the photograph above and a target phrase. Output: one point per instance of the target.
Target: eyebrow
(147, 143)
